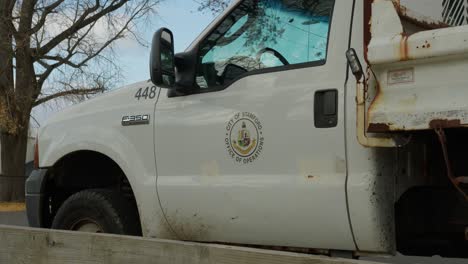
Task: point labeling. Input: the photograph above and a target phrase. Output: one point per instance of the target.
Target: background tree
(51, 49)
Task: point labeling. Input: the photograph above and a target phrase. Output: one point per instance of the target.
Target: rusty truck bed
(420, 67)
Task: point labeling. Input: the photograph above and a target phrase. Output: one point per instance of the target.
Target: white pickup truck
(319, 126)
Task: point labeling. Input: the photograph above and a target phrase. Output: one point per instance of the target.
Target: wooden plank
(32, 245)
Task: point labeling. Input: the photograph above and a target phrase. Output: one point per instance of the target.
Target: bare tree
(51, 49)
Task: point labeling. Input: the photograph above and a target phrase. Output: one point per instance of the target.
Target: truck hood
(109, 101)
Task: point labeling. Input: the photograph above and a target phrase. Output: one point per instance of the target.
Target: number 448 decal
(147, 93)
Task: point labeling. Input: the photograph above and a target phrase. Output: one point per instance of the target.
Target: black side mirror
(354, 63)
(162, 69)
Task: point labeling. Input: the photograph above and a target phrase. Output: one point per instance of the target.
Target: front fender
(96, 125)
(110, 143)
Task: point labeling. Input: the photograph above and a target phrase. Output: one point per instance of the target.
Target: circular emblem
(244, 137)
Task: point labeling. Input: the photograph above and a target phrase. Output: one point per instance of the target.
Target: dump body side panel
(421, 78)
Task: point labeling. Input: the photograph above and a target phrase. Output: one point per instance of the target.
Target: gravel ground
(19, 218)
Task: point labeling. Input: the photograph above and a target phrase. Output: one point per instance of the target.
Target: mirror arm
(186, 69)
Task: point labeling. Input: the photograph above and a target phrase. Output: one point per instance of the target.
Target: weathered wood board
(42, 246)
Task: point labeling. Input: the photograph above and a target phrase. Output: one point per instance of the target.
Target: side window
(261, 34)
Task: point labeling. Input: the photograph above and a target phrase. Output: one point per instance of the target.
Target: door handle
(326, 108)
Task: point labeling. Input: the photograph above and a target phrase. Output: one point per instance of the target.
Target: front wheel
(98, 211)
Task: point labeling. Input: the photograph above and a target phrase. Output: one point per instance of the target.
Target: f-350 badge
(244, 137)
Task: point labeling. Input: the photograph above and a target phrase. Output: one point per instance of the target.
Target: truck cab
(287, 124)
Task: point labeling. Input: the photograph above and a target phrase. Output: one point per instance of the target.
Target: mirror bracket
(185, 63)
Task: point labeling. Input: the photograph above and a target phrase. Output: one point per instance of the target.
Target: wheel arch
(84, 169)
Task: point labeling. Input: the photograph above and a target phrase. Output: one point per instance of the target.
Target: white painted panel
(294, 193)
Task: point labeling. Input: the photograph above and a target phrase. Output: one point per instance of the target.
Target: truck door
(255, 152)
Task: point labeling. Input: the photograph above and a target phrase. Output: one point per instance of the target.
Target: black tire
(107, 209)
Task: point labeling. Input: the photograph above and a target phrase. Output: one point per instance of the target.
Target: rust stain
(378, 127)
(404, 53)
(396, 2)
(426, 45)
(377, 97)
(367, 26)
(444, 123)
(398, 6)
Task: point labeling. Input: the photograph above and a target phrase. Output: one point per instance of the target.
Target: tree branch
(47, 10)
(68, 92)
(61, 61)
(49, 69)
(82, 22)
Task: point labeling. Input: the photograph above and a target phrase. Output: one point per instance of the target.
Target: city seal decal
(244, 137)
